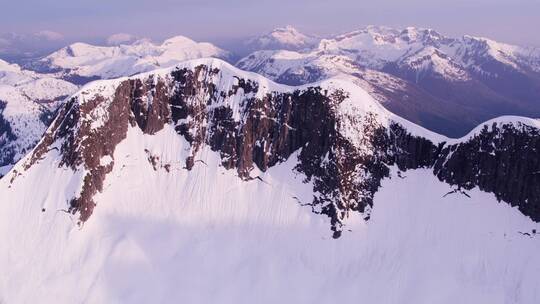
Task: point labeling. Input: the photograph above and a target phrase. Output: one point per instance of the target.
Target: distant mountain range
(81, 62)
(448, 85)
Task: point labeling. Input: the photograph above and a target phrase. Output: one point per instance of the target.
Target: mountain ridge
(409, 88)
(243, 117)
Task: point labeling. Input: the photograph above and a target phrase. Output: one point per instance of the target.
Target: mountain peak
(88, 62)
(289, 35)
(287, 27)
(287, 38)
(179, 39)
(78, 49)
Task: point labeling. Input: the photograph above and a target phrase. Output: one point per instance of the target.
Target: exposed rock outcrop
(501, 159)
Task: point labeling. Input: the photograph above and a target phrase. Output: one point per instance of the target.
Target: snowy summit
(90, 61)
(287, 38)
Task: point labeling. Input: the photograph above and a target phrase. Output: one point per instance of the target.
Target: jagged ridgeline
(345, 142)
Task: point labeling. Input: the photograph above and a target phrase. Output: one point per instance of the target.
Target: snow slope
(86, 60)
(205, 236)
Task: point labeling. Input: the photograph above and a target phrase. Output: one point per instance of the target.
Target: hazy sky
(514, 21)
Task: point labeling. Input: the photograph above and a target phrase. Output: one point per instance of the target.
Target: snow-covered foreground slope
(204, 183)
(28, 102)
(205, 236)
(82, 62)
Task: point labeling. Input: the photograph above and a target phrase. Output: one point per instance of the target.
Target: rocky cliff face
(501, 159)
(344, 148)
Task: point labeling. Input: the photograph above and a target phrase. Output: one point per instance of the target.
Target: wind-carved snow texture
(345, 146)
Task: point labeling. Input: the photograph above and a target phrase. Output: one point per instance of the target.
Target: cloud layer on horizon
(513, 21)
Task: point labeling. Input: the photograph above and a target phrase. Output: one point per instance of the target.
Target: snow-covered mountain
(28, 103)
(204, 183)
(477, 77)
(29, 99)
(286, 38)
(81, 62)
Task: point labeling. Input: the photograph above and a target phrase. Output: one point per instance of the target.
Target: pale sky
(512, 21)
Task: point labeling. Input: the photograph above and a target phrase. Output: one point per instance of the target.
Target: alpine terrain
(28, 103)
(204, 183)
(448, 85)
(82, 62)
(31, 95)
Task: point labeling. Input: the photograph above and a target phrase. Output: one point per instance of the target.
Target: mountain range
(448, 85)
(310, 173)
(31, 95)
(166, 184)
(81, 62)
